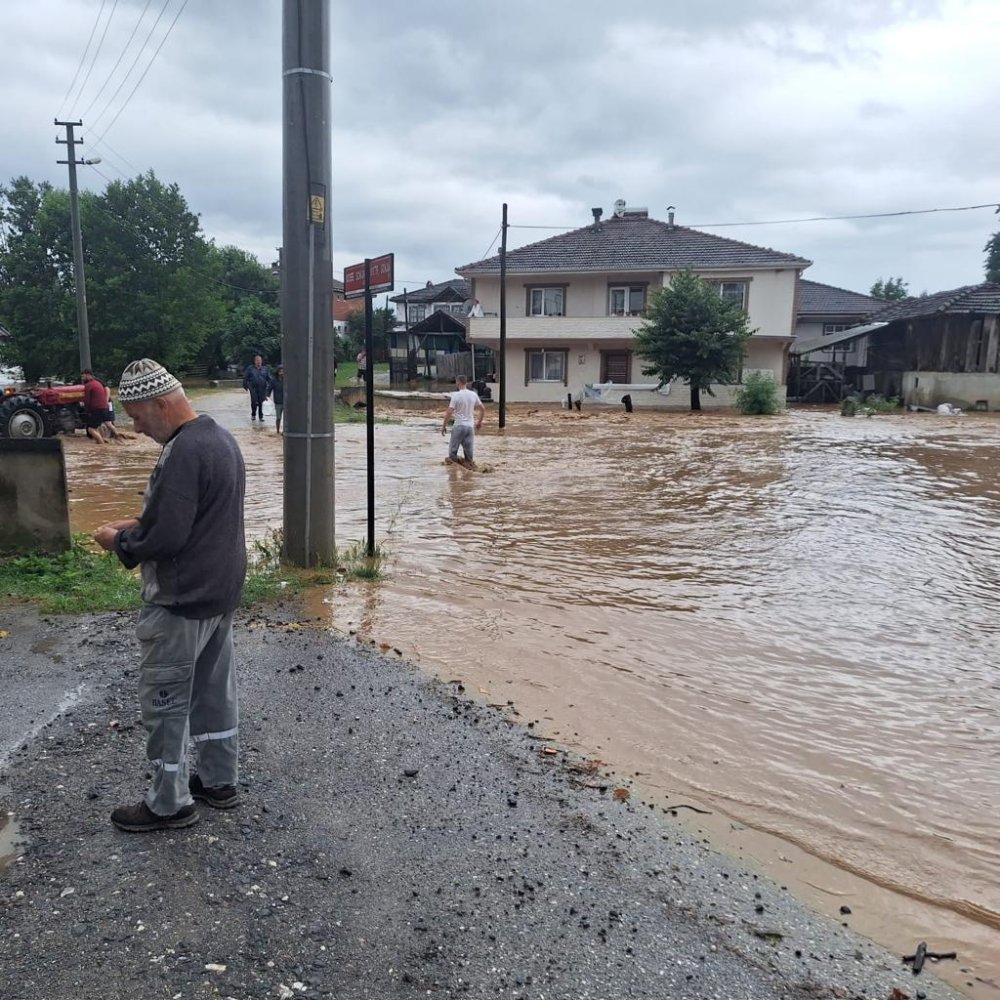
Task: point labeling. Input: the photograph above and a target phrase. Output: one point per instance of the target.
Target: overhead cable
(144, 72)
(83, 58)
(138, 56)
(121, 55)
(785, 222)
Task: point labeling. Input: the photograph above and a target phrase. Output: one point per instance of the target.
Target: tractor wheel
(22, 417)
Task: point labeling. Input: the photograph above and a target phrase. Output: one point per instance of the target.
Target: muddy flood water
(791, 622)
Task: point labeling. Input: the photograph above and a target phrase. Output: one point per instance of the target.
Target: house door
(616, 366)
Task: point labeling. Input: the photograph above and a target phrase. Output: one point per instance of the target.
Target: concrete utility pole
(502, 373)
(82, 325)
(307, 284)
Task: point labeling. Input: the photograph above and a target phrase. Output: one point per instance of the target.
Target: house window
(626, 300)
(547, 301)
(829, 328)
(546, 366)
(416, 314)
(615, 366)
(734, 291)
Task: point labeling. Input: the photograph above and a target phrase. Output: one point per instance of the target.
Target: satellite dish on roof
(619, 208)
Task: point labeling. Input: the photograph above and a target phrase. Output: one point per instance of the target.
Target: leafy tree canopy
(383, 323)
(155, 286)
(890, 289)
(992, 250)
(690, 332)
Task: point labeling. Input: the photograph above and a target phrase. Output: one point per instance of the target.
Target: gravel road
(398, 839)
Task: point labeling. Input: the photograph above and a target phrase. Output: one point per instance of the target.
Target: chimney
(670, 216)
(597, 217)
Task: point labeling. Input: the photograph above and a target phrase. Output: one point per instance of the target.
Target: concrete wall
(34, 513)
(962, 389)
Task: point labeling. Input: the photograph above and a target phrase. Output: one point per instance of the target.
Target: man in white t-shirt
(468, 411)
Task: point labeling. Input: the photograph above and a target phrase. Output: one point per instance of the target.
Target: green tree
(37, 302)
(151, 276)
(252, 324)
(383, 323)
(153, 281)
(992, 250)
(890, 289)
(690, 332)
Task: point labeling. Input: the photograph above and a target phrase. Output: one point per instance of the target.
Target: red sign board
(380, 277)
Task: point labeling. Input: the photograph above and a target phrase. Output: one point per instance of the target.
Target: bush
(758, 395)
(852, 406)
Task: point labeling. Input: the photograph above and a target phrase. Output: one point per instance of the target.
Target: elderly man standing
(190, 544)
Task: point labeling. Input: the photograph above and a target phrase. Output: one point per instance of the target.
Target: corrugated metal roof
(824, 343)
(634, 244)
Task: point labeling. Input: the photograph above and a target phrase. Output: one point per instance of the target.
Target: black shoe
(218, 796)
(141, 819)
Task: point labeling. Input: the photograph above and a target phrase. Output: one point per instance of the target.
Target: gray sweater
(190, 539)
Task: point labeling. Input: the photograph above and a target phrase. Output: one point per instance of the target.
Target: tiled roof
(982, 298)
(453, 290)
(826, 300)
(634, 243)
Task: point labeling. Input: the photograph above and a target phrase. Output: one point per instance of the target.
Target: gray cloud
(443, 109)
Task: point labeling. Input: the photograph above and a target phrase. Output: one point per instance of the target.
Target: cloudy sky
(731, 110)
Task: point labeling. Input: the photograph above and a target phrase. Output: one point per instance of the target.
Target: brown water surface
(791, 620)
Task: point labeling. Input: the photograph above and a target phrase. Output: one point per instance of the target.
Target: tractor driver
(95, 405)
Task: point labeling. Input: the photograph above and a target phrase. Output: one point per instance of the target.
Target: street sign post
(371, 276)
(380, 277)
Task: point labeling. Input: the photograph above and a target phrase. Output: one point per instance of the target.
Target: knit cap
(145, 379)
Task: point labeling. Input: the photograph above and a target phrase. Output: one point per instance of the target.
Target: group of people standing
(261, 384)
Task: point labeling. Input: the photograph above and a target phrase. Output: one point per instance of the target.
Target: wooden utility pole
(307, 284)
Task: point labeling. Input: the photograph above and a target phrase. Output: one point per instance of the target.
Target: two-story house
(574, 300)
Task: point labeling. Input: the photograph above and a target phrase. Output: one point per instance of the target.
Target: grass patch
(347, 372)
(80, 581)
(86, 580)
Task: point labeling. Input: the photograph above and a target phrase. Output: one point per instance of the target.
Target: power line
(83, 58)
(121, 56)
(108, 148)
(144, 72)
(138, 56)
(97, 52)
(493, 242)
(815, 218)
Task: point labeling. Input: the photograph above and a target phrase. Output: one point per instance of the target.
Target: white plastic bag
(268, 407)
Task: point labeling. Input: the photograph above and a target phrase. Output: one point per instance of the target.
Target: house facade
(450, 296)
(573, 302)
(825, 310)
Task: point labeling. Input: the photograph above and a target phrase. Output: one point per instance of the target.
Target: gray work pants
(187, 687)
(464, 435)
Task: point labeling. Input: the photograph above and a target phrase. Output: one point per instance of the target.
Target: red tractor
(41, 412)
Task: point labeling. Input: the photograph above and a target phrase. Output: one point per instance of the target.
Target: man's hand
(106, 533)
(444, 430)
(105, 537)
